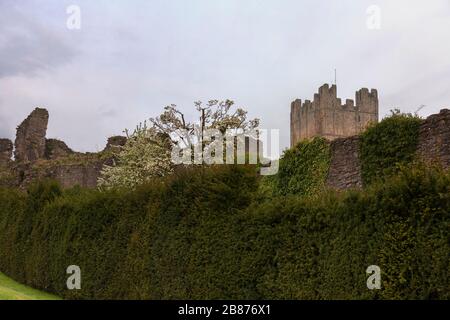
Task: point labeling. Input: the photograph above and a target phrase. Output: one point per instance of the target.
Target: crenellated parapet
(328, 117)
(367, 101)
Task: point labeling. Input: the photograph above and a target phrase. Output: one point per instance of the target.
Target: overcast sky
(131, 58)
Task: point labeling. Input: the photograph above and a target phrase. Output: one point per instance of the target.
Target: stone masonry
(345, 169)
(55, 149)
(36, 157)
(67, 174)
(434, 139)
(6, 151)
(433, 147)
(30, 138)
(115, 141)
(327, 117)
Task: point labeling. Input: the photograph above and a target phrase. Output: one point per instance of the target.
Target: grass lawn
(11, 290)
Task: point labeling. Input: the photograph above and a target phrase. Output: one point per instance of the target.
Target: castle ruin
(327, 117)
(36, 157)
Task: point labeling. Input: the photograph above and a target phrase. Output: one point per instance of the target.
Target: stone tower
(327, 117)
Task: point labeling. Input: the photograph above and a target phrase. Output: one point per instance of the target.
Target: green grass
(11, 290)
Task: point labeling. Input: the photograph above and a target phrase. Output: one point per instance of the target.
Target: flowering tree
(215, 115)
(146, 155)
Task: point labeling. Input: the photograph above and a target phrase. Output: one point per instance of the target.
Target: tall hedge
(202, 235)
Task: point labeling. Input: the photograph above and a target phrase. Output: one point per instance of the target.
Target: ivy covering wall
(302, 171)
(388, 144)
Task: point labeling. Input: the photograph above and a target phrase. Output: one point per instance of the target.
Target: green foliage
(200, 234)
(386, 145)
(41, 193)
(7, 178)
(303, 169)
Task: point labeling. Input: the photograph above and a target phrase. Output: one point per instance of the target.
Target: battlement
(326, 116)
(367, 101)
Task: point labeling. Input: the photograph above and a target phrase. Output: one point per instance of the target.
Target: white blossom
(146, 155)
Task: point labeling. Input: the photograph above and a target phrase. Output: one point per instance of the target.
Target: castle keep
(327, 117)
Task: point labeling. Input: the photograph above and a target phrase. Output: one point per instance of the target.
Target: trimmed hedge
(201, 235)
(388, 144)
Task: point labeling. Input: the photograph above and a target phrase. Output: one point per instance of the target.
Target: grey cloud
(108, 112)
(27, 46)
(138, 56)
(4, 130)
(430, 90)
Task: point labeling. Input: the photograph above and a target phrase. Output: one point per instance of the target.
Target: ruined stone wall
(57, 161)
(433, 147)
(434, 139)
(68, 175)
(55, 149)
(86, 176)
(36, 157)
(327, 117)
(6, 151)
(114, 142)
(30, 138)
(345, 168)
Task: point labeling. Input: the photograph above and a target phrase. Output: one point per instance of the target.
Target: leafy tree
(146, 155)
(214, 115)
